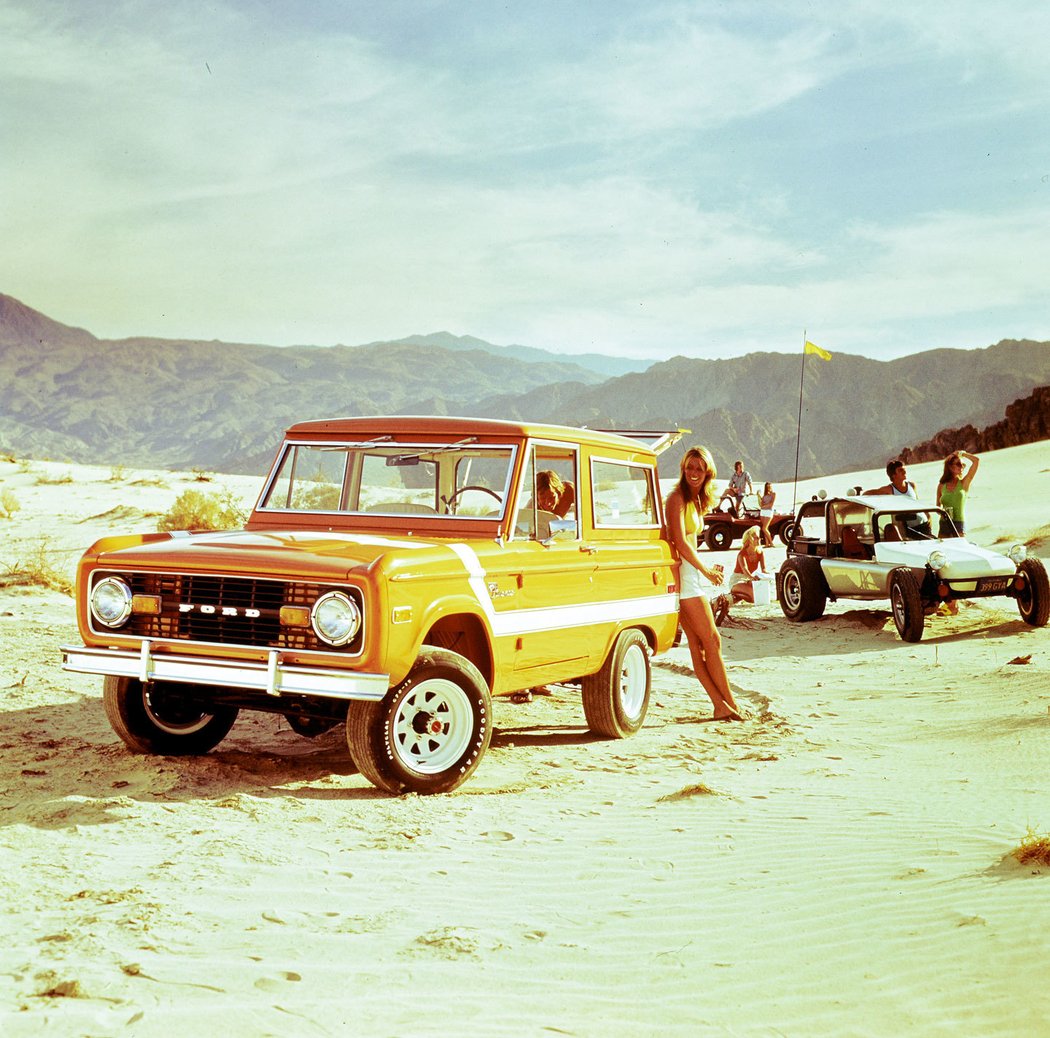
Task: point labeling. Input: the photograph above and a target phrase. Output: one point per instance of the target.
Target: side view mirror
(562, 530)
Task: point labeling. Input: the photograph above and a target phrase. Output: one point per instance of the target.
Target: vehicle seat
(892, 533)
(852, 548)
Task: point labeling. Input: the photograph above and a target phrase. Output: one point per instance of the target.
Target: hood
(271, 552)
(965, 560)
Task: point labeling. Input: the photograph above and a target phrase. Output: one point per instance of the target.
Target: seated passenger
(739, 484)
(554, 495)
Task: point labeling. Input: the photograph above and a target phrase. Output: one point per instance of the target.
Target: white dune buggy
(879, 547)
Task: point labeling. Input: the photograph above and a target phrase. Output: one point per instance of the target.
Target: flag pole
(798, 431)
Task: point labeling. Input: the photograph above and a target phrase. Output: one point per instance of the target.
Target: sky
(640, 179)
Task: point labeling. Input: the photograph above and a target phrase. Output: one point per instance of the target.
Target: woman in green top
(955, 484)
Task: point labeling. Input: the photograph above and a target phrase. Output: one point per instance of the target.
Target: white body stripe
(556, 618)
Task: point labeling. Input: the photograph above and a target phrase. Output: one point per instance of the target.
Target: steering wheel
(451, 499)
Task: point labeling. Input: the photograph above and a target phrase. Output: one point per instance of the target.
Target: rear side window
(623, 494)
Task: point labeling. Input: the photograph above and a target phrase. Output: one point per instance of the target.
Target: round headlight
(335, 618)
(111, 601)
(1018, 553)
(936, 560)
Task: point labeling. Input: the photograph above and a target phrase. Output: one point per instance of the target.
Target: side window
(548, 490)
(623, 494)
(812, 523)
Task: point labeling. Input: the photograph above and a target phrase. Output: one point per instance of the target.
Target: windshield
(453, 479)
(923, 524)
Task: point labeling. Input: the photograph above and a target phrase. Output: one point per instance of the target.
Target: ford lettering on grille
(210, 610)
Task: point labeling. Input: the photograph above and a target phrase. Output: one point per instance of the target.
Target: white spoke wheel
(616, 699)
(429, 733)
(164, 718)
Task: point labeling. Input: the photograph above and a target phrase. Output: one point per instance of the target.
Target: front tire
(802, 590)
(1033, 601)
(163, 717)
(906, 603)
(788, 532)
(616, 699)
(428, 734)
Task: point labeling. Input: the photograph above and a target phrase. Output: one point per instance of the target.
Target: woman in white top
(765, 513)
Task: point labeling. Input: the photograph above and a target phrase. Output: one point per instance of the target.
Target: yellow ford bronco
(394, 575)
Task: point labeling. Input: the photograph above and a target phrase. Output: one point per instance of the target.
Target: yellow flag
(812, 347)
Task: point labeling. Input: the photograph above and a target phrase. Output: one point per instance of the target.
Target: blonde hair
(750, 534)
(707, 494)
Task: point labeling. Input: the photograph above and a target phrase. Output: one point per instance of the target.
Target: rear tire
(802, 590)
(616, 699)
(718, 537)
(428, 734)
(788, 532)
(161, 717)
(1033, 601)
(906, 603)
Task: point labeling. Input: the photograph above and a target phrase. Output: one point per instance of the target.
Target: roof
(441, 426)
(888, 502)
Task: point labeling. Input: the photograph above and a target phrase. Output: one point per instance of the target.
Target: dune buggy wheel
(164, 717)
(1033, 600)
(616, 699)
(801, 589)
(718, 537)
(429, 733)
(906, 604)
(788, 532)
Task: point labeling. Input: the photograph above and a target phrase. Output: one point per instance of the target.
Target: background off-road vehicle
(879, 547)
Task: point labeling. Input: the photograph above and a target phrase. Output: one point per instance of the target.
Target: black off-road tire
(802, 590)
(616, 699)
(909, 615)
(1033, 601)
(428, 734)
(787, 533)
(161, 717)
(719, 536)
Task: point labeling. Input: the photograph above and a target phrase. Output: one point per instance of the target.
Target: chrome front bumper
(275, 678)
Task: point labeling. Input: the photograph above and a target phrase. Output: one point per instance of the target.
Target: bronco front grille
(201, 607)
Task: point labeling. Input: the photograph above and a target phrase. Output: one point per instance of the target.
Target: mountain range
(222, 407)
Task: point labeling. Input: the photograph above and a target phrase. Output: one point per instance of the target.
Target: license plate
(993, 584)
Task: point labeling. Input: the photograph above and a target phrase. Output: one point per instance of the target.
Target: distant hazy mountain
(223, 406)
(607, 367)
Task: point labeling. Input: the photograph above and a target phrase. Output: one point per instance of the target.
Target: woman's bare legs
(705, 648)
(767, 537)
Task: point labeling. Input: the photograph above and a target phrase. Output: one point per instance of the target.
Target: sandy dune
(840, 864)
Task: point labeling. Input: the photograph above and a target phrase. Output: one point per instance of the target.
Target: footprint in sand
(278, 982)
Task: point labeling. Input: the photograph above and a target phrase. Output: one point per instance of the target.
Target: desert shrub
(118, 473)
(8, 503)
(42, 566)
(58, 479)
(195, 510)
(201, 476)
(1034, 849)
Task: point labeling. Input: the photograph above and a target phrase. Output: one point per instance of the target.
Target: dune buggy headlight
(111, 601)
(335, 618)
(1018, 553)
(936, 560)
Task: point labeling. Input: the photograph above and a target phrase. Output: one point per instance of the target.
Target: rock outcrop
(1027, 420)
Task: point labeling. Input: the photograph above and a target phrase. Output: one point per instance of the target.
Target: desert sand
(839, 864)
